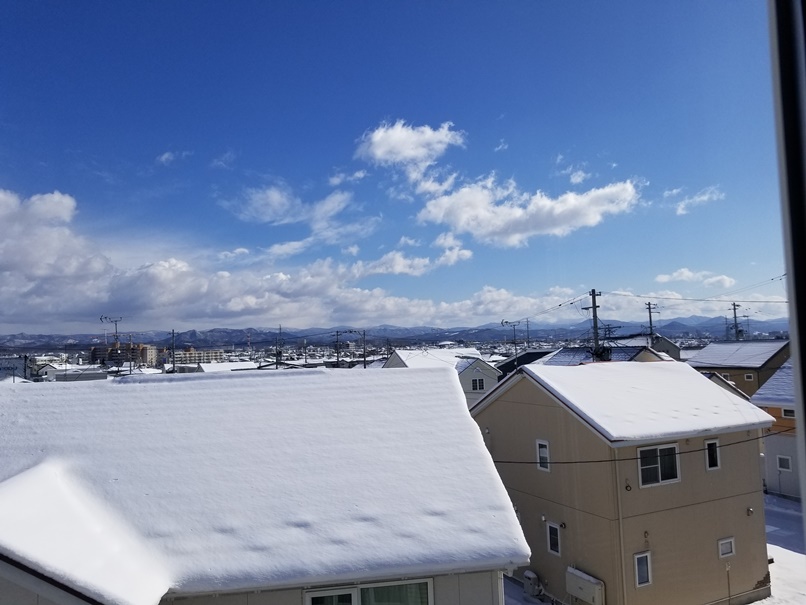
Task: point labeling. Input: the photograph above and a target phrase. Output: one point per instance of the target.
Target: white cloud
(452, 250)
(672, 192)
(276, 205)
(707, 278)
(340, 178)
(502, 215)
(169, 157)
(394, 263)
(579, 176)
(228, 255)
(704, 196)
(408, 241)
(413, 148)
(502, 146)
(351, 250)
(166, 158)
(225, 160)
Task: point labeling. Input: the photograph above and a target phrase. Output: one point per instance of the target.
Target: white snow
(435, 358)
(779, 390)
(251, 480)
(630, 401)
(738, 354)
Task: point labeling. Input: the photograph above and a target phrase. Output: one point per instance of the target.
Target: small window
(477, 384)
(553, 538)
(658, 465)
(543, 455)
(643, 569)
(726, 376)
(726, 548)
(788, 413)
(748, 377)
(784, 463)
(712, 455)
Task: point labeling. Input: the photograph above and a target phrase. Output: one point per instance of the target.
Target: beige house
(635, 483)
(746, 363)
(476, 376)
(252, 488)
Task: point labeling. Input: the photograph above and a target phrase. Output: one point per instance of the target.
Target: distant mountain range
(714, 328)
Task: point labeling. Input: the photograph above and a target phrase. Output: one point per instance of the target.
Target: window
(416, 592)
(788, 413)
(712, 454)
(726, 376)
(643, 569)
(543, 455)
(726, 548)
(553, 538)
(784, 463)
(748, 377)
(477, 384)
(658, 464)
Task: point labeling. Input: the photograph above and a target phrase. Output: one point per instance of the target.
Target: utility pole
(593, 307)
(527, 333)
(505, 323)
(650, 308)
(131, 351)
(173, 350)
(735, 321)
(337, 348)
(113, 320)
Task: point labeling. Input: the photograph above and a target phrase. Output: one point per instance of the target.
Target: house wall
(582, 496)
(680, 523)
(778, 481)
(478, 369)
(395, 361)
(480, 588)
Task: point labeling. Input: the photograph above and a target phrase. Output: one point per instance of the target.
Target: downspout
(614, 455)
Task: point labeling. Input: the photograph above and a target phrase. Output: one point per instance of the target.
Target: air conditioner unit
(584, 586)
(531, 584)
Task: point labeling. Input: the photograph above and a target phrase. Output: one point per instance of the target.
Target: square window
(788, 413)
(543, 455)
(643, 569)
(712, 454)
(784, 463)
(726, 376)
(726, 548)
(748, 377)
(658, 465)
(477, 384)
(553, 538)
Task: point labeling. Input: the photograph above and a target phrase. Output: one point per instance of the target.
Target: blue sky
(251, 164)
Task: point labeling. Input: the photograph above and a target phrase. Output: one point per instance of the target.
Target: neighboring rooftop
(779, 390)
(127, 489)
(435, 358)
(628, 402)
(737, 354)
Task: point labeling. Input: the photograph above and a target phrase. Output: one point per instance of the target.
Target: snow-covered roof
(248, 481)
(228, 366)
(628, 402)
(737, 354)
(435, 358)
(779, 390)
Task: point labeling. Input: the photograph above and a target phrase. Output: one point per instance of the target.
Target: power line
(607, 460)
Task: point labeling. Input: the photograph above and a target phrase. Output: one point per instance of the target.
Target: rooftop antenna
(506, 323)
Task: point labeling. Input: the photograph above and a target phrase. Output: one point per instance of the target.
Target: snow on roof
(629, 401)
(779, 390)
(228, 366)
(435, 358)
(737, 354)
(249, 481)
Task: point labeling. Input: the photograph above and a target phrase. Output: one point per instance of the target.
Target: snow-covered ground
(785, 544)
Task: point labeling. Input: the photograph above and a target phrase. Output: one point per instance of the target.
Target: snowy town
(568, 475)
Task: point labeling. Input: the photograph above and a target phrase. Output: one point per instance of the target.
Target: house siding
(478, 588)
